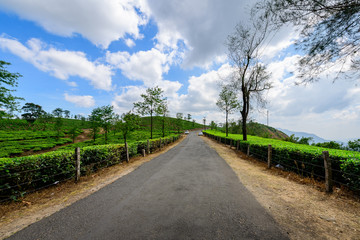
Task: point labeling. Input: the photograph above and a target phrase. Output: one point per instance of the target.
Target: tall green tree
(227, 102)
(67, 113)
(150, 104)
(59, 123)
(179, 122)
(8, 81)
(95, 122)
(58, 112)
(129, 123)
(354, 145)
(32, 112)
(74, 132)
(213, 126)
(102, 117)
(329, 33)
(107, 115)
(250, 76)
(163, 110)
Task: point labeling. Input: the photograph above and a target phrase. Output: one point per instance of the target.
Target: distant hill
(257, 129)
(316, 139)
(261, 130)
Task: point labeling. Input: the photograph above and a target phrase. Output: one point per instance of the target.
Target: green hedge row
(302, 159)
(24, 174)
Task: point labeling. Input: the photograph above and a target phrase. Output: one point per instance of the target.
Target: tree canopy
(129, 122)
(102, 117)
(32, 112)
(227, 102)
(150, 105)
(8, 81)
(330, 33)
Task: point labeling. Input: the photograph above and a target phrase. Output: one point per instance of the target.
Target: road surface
(188, 192)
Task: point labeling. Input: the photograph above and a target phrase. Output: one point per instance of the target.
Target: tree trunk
(163, 126)
(226, 124)
(244, 114)
(244, 129)
(151, 124)
(106, 135)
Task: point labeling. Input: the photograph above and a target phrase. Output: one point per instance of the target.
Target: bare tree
(250, 76)
(227, 102)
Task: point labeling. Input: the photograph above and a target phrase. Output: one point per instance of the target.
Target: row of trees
(33, 111)
(153, 104)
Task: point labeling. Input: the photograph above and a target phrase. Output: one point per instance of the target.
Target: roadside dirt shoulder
(35, 206)
(301, 210)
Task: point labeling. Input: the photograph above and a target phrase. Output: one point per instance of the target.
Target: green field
(304, 159)
(283, 145)
(18, 137)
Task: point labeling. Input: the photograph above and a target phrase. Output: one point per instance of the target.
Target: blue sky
(78, 55)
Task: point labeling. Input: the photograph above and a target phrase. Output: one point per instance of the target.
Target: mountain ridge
(316, 139)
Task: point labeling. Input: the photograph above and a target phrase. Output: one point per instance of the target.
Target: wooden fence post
(269, 156)
(127, 152)
(248, 150)
(143, 152)
(77, 164)
(148, 147)
(328, 172)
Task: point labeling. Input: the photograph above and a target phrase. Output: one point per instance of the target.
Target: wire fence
(332, 170)
(24, 175)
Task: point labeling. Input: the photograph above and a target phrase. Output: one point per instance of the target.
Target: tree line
(101, 118)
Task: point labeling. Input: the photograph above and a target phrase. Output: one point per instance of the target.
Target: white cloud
(326, 108)
(129, 42)
(124, 102)
(80, 101)
(146, 66)
(202, 25)
(202, 93)
(278, 42)
(60, 64)
(99, 21)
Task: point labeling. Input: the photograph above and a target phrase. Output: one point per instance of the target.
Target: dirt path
(35, 206)
(85, 135)
(302, 210)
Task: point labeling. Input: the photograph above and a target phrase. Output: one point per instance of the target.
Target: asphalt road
(188, 192)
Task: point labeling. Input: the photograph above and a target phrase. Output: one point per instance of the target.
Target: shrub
(302, 159)
(23, 174)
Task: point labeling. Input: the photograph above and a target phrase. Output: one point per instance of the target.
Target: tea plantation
(302, 159)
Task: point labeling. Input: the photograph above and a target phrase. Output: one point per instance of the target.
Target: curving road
(188, 192)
